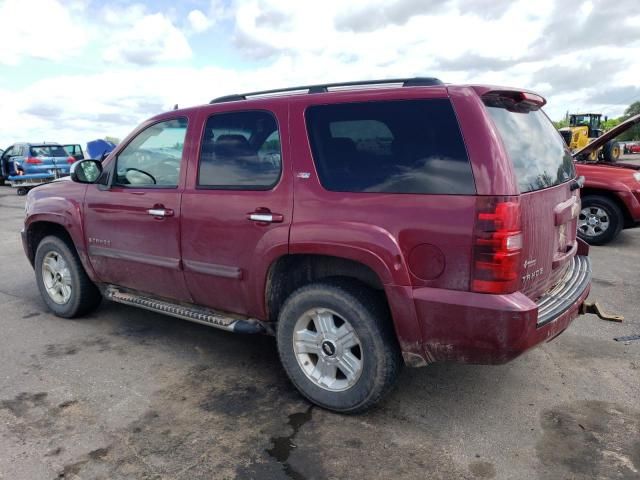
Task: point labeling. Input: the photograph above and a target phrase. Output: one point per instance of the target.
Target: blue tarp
(96, 148)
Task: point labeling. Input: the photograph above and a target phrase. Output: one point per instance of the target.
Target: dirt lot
(130, 394)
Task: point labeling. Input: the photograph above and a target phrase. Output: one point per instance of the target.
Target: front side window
(408, 146)
(154, 156)
(240, 151)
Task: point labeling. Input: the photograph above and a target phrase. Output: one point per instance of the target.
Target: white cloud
(39, 29)
(198, 21)
(540, 45)
(143, 39)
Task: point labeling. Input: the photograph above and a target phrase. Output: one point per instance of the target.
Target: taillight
(497, 249)
(33, 161)
(71, 160)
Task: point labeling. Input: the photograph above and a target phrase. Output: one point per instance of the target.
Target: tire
(82, 296)
(22, 191)
(368, 317)
(611, 152)
(595, 206)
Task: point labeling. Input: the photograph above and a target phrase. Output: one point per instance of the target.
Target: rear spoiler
(604, 138)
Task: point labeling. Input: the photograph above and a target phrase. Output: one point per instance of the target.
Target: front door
(132, 225)
(237, 208)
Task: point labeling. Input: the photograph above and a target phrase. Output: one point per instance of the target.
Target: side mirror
(85, 171)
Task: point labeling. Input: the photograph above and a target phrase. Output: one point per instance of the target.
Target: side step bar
(189, 312)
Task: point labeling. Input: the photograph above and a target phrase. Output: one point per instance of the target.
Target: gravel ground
(128, 394)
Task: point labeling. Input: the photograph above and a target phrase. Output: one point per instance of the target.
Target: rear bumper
(481, 328)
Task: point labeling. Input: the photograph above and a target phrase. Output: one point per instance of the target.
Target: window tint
(396, 147)
(539, 155)
(154, 156)
(240, 150)
(47, 151)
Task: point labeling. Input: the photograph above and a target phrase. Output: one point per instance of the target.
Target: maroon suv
(404, 222)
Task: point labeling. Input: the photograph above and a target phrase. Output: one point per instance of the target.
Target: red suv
(365, 226)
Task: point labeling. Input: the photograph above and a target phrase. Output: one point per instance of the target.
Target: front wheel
(600, 220)
(62, 281)
(337, 345)
(611, 152)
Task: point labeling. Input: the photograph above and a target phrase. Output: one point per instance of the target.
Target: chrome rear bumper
(561, 297)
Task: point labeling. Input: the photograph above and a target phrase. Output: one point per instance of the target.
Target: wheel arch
(37, 229)
(292, 271)
(289, 272)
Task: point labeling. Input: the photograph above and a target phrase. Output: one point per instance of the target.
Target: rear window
(47, 151)
(409, 146)
(539, 155)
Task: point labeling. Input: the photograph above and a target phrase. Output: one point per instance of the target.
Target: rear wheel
(62, 281)
(336, 344)
(600, 220)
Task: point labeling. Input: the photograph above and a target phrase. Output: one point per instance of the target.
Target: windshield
(47, 151)
(539, 155)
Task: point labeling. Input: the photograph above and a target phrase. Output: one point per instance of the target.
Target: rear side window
(539, 155)
(240, 151)
(409, 146)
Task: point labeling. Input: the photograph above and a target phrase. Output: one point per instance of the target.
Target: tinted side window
(154, 156)
(241, 151)
(411, 146)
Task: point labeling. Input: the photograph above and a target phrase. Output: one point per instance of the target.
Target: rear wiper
(576, 183)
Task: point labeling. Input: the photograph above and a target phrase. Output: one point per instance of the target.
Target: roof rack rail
(323, 88)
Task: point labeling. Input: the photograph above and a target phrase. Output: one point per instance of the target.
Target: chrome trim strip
(223, 271)
(156, 261)
(560, 298)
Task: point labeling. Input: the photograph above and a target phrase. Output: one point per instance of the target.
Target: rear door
(237, 208)
(544, 168)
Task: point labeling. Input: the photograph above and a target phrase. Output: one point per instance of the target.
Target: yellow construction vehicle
(583, 129)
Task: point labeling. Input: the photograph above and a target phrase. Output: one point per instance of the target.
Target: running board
(189, 312)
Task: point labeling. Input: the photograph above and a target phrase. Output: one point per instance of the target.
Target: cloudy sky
(74, 70)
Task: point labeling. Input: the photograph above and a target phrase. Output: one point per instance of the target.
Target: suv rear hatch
(544, 170)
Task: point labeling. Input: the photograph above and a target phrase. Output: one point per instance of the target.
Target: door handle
(160, 212)
(265, 217)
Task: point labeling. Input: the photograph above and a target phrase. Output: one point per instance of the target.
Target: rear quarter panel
(381, 230)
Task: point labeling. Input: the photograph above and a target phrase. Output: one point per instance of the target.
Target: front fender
(46, 206)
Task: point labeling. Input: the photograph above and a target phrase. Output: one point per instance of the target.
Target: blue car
(47, 160)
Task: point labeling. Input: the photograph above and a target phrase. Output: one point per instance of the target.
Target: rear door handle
(160, 212)
(265, 217)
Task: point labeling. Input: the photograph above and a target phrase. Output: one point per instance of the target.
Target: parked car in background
(364, 227)
(611, 192)
(74, 150)
(633, 147)
(49, 159)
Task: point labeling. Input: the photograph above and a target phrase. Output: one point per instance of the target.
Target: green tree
(634, 132)
(610, 123)
(561, 123)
